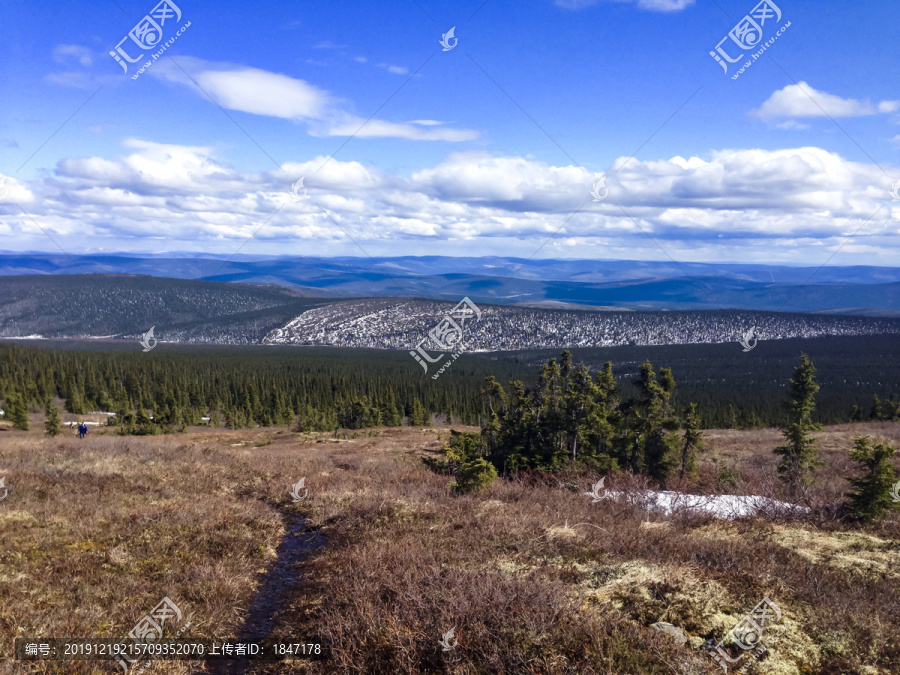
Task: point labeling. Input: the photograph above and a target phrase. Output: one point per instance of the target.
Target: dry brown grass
(96, 532)
(534, 576)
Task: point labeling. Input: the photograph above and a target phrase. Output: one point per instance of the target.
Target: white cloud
(328, 44)
(652, 5)
(480, 177)
(396, 70)
(801, 100)
(792, 124)
(749, 201)
(79, 65)
(665, 5)
(261, 92)
(66, 53)
(350, 125)
(14, 191)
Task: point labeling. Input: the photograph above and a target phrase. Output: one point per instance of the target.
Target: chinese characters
(447, 335)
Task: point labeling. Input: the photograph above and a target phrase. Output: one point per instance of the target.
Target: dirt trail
(269, 598)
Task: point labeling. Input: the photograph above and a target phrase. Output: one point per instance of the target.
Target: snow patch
(727, 507)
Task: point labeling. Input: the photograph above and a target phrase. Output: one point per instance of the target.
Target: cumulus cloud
(512, 182)
(788, 200)
(801, 100)
(261, 92)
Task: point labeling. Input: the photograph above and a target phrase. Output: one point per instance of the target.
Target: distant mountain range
(589, 284)
(124, 306)
(118, 305)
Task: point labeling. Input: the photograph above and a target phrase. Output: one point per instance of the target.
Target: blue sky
(489, 148)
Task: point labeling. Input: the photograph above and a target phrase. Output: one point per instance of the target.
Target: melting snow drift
(727, 507)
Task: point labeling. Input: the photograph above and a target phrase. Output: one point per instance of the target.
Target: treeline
(153, 393)
(321, 388)
(738, 390)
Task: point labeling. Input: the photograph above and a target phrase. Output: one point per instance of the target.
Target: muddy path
(281, 577)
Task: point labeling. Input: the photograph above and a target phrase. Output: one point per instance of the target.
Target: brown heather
(534, 577)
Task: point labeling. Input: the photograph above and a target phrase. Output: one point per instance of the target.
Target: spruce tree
(18, 412)
(145, 426)
(604, 425)
(731, 419)
(579, 403)
(419, 416)
(871, 497)
(875, 412)
(52, 422)
(390, 416)
(800, 453)
(473, 472)
(74, 399)
(693, 440)
(653, 445)
(121, 413)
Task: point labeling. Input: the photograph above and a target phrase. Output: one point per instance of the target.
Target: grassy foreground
(533, 576)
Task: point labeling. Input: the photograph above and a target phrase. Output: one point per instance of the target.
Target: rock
(677, 634)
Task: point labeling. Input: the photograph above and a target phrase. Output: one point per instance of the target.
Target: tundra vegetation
(483, 528)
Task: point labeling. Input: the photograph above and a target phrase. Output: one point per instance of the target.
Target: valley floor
(532, 575)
